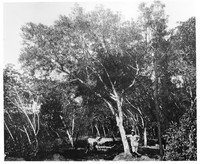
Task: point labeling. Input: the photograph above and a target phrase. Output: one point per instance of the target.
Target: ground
(148, 154)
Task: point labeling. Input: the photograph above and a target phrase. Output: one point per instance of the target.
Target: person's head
(133, 132)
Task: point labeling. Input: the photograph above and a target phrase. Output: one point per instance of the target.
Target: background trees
(21, 119)
(154, 24)
(182, 143)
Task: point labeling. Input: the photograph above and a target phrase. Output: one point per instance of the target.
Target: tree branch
(139, 111)
(137, 72)
(95, 72)
(23, 110)
(9, 132)
(27, 135)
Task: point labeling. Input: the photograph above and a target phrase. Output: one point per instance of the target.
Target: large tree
(96, 51)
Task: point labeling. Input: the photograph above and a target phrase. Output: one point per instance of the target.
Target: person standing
(134, 141)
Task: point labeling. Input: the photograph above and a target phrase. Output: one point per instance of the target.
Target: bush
(182, 142)
(20, 147)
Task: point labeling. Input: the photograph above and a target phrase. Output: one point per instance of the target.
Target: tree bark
(96, 126)
(73, 122)
(123, 136)
(9, 132)
(70, 138)
(92, 129)
(145, 136)
(157, 108)
(119, 119)
(104, 131)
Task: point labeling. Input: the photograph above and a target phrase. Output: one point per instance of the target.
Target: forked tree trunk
(70, 138)
(119, 120)
(123, 135)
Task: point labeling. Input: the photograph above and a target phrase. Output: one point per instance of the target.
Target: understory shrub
(182, 141)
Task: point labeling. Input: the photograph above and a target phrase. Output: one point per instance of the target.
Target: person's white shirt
(134, 140)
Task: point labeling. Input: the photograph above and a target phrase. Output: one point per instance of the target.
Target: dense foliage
(183, 133)
(20, 125)
(183, 138)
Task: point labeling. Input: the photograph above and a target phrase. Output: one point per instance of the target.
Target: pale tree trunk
(137, 130)
(145, 136)
(104, 132)
(123, 135)
(73, 123)
(96, 126)
(119, 120)
(9, 132)
(70, 138)
(92, 129)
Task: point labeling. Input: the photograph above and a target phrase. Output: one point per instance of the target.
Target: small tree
(21, 115)
(183, 138)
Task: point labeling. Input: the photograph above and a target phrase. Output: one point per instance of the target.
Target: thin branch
(125, 115)
(22, 108)
(9, 132)
(21, 130)
(110, 106)
(38, 124)
(142, 120)
(9, 115)
(137, 72)
(69, 73)
(13, 103)
(134, 107)
(130, 112)
(107, 74)
(27, 135)
(106, 88)
(133, 67)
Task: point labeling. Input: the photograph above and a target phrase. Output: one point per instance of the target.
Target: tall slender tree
(153, 21)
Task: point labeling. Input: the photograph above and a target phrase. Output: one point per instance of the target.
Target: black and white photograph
(101, 80)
